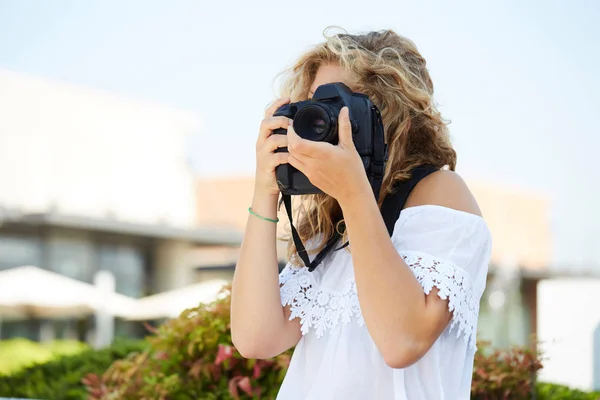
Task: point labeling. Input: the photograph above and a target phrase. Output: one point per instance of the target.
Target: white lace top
(336, 357)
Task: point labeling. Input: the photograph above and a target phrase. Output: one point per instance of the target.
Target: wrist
(265, 204)
(360, 194)
(357, 201)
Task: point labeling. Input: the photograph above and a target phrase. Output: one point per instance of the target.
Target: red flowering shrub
(504, 374)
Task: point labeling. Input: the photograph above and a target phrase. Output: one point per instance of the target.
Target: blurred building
(224, 202)
(521, 257)
(569, 331)
(91, 181)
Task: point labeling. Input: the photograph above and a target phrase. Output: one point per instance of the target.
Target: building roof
(202, 235)
(518, 219)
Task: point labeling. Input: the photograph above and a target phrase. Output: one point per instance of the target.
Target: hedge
(61, 378)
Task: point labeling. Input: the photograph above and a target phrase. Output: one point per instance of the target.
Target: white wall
(568, 318)
(92, 153)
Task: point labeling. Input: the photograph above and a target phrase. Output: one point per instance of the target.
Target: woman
(385, 318)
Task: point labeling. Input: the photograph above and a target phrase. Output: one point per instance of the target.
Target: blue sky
(518, 81)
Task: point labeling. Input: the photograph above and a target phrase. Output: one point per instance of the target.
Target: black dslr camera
(317, 119)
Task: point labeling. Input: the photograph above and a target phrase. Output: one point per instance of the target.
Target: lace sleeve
(448, 250)
(318, 308)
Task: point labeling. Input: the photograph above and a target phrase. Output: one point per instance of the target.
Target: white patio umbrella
(34, 292)
(171, 303)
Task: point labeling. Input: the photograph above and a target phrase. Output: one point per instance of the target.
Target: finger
(274, 142)
(345, 129)
(277, 159)
(304, 147)
(269, 124)
(275, 105)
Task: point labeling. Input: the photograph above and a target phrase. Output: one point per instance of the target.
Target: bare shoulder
(444, 188)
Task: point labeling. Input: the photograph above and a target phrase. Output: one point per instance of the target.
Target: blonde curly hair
(389, 69)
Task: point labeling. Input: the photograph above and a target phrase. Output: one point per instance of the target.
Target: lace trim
(320, 309)
(453, 283)
(317, 309)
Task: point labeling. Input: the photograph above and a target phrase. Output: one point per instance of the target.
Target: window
(71, 256)
(16, 251)
(126, 262)
(29, 329)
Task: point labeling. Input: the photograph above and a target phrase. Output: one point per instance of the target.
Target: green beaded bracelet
(261, 217)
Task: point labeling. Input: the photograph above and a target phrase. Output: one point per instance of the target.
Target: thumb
(345, 129)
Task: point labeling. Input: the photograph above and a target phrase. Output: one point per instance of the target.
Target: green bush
(549, 391)
(191, 358)
(16, 354)
(62, 377)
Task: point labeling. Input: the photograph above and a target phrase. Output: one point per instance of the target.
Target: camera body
(317, 120)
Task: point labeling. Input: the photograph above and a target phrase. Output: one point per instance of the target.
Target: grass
(16, 354)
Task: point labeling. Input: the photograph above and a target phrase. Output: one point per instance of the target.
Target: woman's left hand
(335, 169)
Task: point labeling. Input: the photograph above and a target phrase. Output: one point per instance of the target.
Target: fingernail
(290, 121)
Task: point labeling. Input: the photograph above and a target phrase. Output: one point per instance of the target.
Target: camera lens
(319, 126)
(316, 122)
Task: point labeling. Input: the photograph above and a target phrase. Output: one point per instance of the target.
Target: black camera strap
(380, 153)
(394, 203)
(390, 211)
(311, 265)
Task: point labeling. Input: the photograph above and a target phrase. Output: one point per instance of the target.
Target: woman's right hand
(266, 158)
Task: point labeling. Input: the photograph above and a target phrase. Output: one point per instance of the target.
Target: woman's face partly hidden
(328, 73)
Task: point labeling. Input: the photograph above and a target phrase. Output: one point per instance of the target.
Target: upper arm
(446, 189)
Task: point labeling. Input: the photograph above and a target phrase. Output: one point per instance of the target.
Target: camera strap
(380, 153)
(311, 265)
(394, 203)
(390, 211)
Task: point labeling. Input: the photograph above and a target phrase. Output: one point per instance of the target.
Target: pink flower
(245, 385)
(242, 382)
(233, 388)
(224, 353)
(256, 371)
